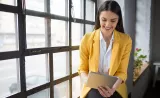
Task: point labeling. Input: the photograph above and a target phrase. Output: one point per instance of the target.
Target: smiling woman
(106, 50)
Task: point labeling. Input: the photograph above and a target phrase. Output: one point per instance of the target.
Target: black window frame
(23, 51)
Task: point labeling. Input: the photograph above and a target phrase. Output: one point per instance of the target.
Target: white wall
(143, 16)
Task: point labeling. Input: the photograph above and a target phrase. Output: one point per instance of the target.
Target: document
(96, 79)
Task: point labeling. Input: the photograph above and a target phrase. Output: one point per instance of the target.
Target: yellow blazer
(89, 57)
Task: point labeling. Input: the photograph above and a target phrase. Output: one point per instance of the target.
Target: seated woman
(106, 50)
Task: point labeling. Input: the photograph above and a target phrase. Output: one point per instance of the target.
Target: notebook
(96, 79)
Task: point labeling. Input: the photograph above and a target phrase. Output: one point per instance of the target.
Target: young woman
(106, 50)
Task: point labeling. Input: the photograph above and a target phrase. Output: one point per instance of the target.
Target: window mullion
(49, 57)
(70, 52)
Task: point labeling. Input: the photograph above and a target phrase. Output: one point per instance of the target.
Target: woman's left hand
(106, 91)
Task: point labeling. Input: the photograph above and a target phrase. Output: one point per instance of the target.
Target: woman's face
(108, 22)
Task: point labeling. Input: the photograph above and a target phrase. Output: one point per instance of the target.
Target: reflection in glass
(77, 9)
(77, 33)
(35, 30)
(61, 90)
(61, 64)
(9, 81)
(89, 28)
(59, 7)
(76, 89)
(9, 2)
(75, 61)
(8, 34)
(36, 70)
(59, 33)
(90, 10)
(41, 94)
(36, 5)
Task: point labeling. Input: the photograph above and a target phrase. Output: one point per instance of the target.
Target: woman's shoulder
(125, 37)
(88, 36)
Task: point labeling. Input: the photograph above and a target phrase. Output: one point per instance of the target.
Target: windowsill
(143, 68)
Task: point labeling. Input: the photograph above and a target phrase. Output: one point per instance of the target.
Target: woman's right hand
(106, 91)
(84, 78)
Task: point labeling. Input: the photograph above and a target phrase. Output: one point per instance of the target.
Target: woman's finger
(109, 90)
(101, 92)
(105, 91)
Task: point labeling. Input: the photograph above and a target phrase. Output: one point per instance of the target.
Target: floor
(153, 92)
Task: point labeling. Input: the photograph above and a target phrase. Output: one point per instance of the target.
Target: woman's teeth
(107, 28)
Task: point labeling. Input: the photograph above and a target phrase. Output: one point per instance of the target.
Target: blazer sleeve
(84, 55)
(122, 70)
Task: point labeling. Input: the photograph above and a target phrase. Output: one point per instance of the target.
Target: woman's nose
(107, 24)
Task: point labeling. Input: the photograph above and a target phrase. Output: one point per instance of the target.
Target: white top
(105, 54)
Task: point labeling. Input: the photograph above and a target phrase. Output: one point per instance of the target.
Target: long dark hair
(113, 6)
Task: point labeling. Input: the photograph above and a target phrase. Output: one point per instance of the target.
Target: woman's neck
(107, 36)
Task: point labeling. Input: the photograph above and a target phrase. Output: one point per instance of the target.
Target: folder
(98, 79)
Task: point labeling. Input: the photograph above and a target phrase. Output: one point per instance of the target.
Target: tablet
(96, 79)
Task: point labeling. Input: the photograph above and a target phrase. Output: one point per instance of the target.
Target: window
(77, 33)
(76, 87)
(59, 7)
(61, 90)
(9, 2)
(89, 28)
(75, 60)
(39, 46)
(35, 32)
(9, 81)
(90, 10)
(8, 34)
(41, 94)
(77, 9)
(40, 75)
(59, 33)
(61, 65)
(36, 5)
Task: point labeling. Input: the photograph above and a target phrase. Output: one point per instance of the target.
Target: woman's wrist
(83, 77)
(116, 85)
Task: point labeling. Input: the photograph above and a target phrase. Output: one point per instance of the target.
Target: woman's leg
(94, 93)
(116, 95)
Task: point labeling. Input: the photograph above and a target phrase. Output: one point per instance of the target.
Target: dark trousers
(94, 93)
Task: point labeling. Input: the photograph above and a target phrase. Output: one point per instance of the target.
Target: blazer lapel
(96, 50)
(115, 48)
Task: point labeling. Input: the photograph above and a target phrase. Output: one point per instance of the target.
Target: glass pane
(77, 9)
(36, 70)
(8, 37)
(76, 89)
(89, 28)
(77, 33)
(59, 33)
(75, 60)
(9, 73)
(35, 30)
(41, 94)
(59, 7)
(61, 65)
(36, 5)
(90, 10)
(61, 90)
(9, 2)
